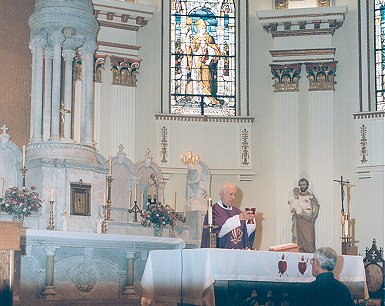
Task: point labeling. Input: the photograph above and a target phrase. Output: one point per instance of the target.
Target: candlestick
(135, 192)
(110, 166)
(175, 200)
(51, 223)
(23, 161)
(52, 195)
(142, 196)
(129, 200)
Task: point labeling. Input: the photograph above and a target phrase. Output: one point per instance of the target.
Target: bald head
(227, 193)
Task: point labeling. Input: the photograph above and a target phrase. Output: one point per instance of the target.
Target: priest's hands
(246, 215)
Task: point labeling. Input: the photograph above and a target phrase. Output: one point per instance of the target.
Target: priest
(233, 232)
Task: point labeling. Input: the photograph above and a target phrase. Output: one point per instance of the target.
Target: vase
(18, 218)
(158, 231)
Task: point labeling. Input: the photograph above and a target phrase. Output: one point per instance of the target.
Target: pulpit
(9, 243)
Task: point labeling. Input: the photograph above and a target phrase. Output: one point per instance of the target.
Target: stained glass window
(379, 12)
(202, 64)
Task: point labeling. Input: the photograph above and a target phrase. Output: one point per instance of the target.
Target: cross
(342, 183)
(63, 111)
(5, 129)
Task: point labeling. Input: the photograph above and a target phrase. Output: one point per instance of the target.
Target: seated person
(232, 230)
(326, 290)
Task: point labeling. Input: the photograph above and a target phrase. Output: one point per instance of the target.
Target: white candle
(210, 215)
(2, 187)
(23, 162)
(346, 227)
(110, 166)
(135, 192)
(52, 196)
(174, 201)
(104, 199)
(164, 201)
(142, 205)
(129, 200)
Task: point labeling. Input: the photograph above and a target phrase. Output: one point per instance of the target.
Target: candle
(142, 205)
(346, 226)
(23, 162)
(52, 196)
(104, 199)
(110, 166)
(174, 201)
(163, 200)
(129, 200)
(210, 212)
(2, 187)
(135, 192)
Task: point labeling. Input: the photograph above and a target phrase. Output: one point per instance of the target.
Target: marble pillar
(49, 289)
(57, 39)
(48, 52)
(68, 55)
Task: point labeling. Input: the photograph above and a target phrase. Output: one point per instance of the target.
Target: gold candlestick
(109, 183)
(23, 174)
(104, 222)
(51, 224)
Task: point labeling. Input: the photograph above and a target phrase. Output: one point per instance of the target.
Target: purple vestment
(237, 238)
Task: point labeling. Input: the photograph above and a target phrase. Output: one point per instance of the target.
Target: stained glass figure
(203, 45)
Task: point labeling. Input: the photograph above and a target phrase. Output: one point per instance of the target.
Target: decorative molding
(284, 4)
(117, 45)
(115, 25)
(245, 148)
(164, 145)
(302, 52)
(321, 75)
(286, 77)
(367, 115)
(364, 144)
(302, 22)
(124, 71)
(173, 117)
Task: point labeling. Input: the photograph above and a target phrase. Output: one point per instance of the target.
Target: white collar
(219, 202)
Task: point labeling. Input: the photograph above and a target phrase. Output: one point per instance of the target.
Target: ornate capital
(37, 41)
(56, 38)
(321, 75)
(286, 77)
(124, 71)
(100, 60)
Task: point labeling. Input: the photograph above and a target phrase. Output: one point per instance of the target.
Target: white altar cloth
(191, 273)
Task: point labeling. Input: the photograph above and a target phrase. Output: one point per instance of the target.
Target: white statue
(99, 222)
(197, 187)
(64, 219)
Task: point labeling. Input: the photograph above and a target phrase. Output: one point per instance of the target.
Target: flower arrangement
(158, 215)
(20, 202)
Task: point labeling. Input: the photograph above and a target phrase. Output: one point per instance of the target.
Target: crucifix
(63, 111)
(346, 239)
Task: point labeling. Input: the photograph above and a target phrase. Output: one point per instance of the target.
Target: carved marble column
(90, 47)
(48, 52)
(49, 289)
(57, 39)
(68, 55)
(286, 82)
(37, 94)
(321, 145)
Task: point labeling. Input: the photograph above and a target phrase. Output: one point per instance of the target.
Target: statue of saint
(304, 209)
(152, 188)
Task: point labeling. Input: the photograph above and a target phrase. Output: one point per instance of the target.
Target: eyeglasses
(312, 260)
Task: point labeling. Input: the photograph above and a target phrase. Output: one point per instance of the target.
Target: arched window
(379, 32)
(203, 57)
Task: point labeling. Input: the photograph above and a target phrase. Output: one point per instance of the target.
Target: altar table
(188, 275)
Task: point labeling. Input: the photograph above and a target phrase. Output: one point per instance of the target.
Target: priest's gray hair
(225, 187)
(327, 257)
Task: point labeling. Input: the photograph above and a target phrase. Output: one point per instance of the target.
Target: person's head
(324, 260)
(227, 193)
(303, 184)
(201, 26)
(296, 191)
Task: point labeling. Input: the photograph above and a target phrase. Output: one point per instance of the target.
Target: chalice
(252, 209)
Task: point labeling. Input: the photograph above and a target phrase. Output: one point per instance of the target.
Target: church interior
(114, 112)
